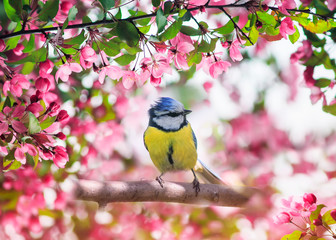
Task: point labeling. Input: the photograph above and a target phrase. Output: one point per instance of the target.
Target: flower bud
(333, 214)
(309, 198)
(61, 136)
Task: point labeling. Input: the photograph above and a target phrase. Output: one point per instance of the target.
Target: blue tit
(171, 142)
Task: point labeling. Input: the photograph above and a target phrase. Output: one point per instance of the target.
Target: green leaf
(161, 20)
(156, 3)
(330, 109)
(47, 123)
(12, 10)
(71, 16)
(296, 235)
(295, 36)
(144, 29)
(107, 4)
(143, 21)
(322, 82)
(49, 10)
(15, 165)
(79, 39)
(167, 7)
(33, 124)
(37, 56)
(227, 28)
(119, 14)
(320, 26)
(206, 47)
(128, 32)
(326, 218)
(185, 14)
(111, 48)
(172, 30)
(267, 18)
(254, 35)
(29, 45)
(27, 68)
(12, 42)
(314, 215)
(7, 103)
(190, 31)
(125, 59)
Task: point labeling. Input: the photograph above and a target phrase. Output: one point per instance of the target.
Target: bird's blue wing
(194, 137)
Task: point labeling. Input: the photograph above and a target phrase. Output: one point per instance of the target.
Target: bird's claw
(196, 185)
(159, 180)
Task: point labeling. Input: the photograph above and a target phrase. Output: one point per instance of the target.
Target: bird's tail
(207, 174)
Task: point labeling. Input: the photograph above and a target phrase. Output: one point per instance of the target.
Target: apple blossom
(287, 27)
(66, 69)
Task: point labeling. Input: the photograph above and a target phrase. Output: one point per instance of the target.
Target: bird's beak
(186, 111)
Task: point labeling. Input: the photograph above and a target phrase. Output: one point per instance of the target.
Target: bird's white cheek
(169, 123)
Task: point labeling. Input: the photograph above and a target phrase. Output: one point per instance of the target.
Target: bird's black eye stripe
(172, 114)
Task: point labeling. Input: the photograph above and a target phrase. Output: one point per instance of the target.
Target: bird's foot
(159, 180)
(196, 186)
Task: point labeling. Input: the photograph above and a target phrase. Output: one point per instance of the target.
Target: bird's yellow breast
(171, 151)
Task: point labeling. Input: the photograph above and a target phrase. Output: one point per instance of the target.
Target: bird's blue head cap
(166, 105)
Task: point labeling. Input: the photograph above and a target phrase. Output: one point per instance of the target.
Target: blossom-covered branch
(151, 191)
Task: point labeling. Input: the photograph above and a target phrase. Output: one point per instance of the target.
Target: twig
(104, 21)
(236, 26)
(151, 191)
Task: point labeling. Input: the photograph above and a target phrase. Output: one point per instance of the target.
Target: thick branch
(151, 191)
(246, 5)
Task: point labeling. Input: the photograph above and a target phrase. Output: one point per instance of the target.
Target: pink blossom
(61, 136)
(42, 84)
(46, 68)
(157, 65)
(155, 81)
(234, 47)
(207, 86)
(197, 2)
(178, 53)
(61, 200)
(282, 218)
(284, 5)
(87, 57)
(20, 156)
(18, 49)
(218, 67)
(308, 76)
(7, 118)
(53, 109)
(287, 27)
(114, 72)
(333, 214)
(303, 53)
(331, 5)
(35, 108)
(129, 78)
(63, 117)
(309, 198)
(2, 45)
(316, 94)
(60, 157)
(15, 85)
(65, 71)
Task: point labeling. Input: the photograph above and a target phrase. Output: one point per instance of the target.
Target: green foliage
(49, 10)
(125, 59)
(39, 55)
(161, 20)
(33, 124)
(128, 32)
(107, 4)
(296, 235)
(13, 9)
(190, 31)
(327, 219)
(172, 30)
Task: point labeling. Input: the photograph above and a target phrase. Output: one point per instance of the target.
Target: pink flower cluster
(294, 208)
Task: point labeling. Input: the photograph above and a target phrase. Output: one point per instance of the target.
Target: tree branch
(151, 191)
(246, 5)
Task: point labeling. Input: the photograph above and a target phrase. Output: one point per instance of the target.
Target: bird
(172, 144)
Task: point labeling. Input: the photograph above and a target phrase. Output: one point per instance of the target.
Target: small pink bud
(42, 84)
(63, 116)
(264, 7)
(333, 214)
(318, 221)
(282, 217)
(61, 136)
(309, 198)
